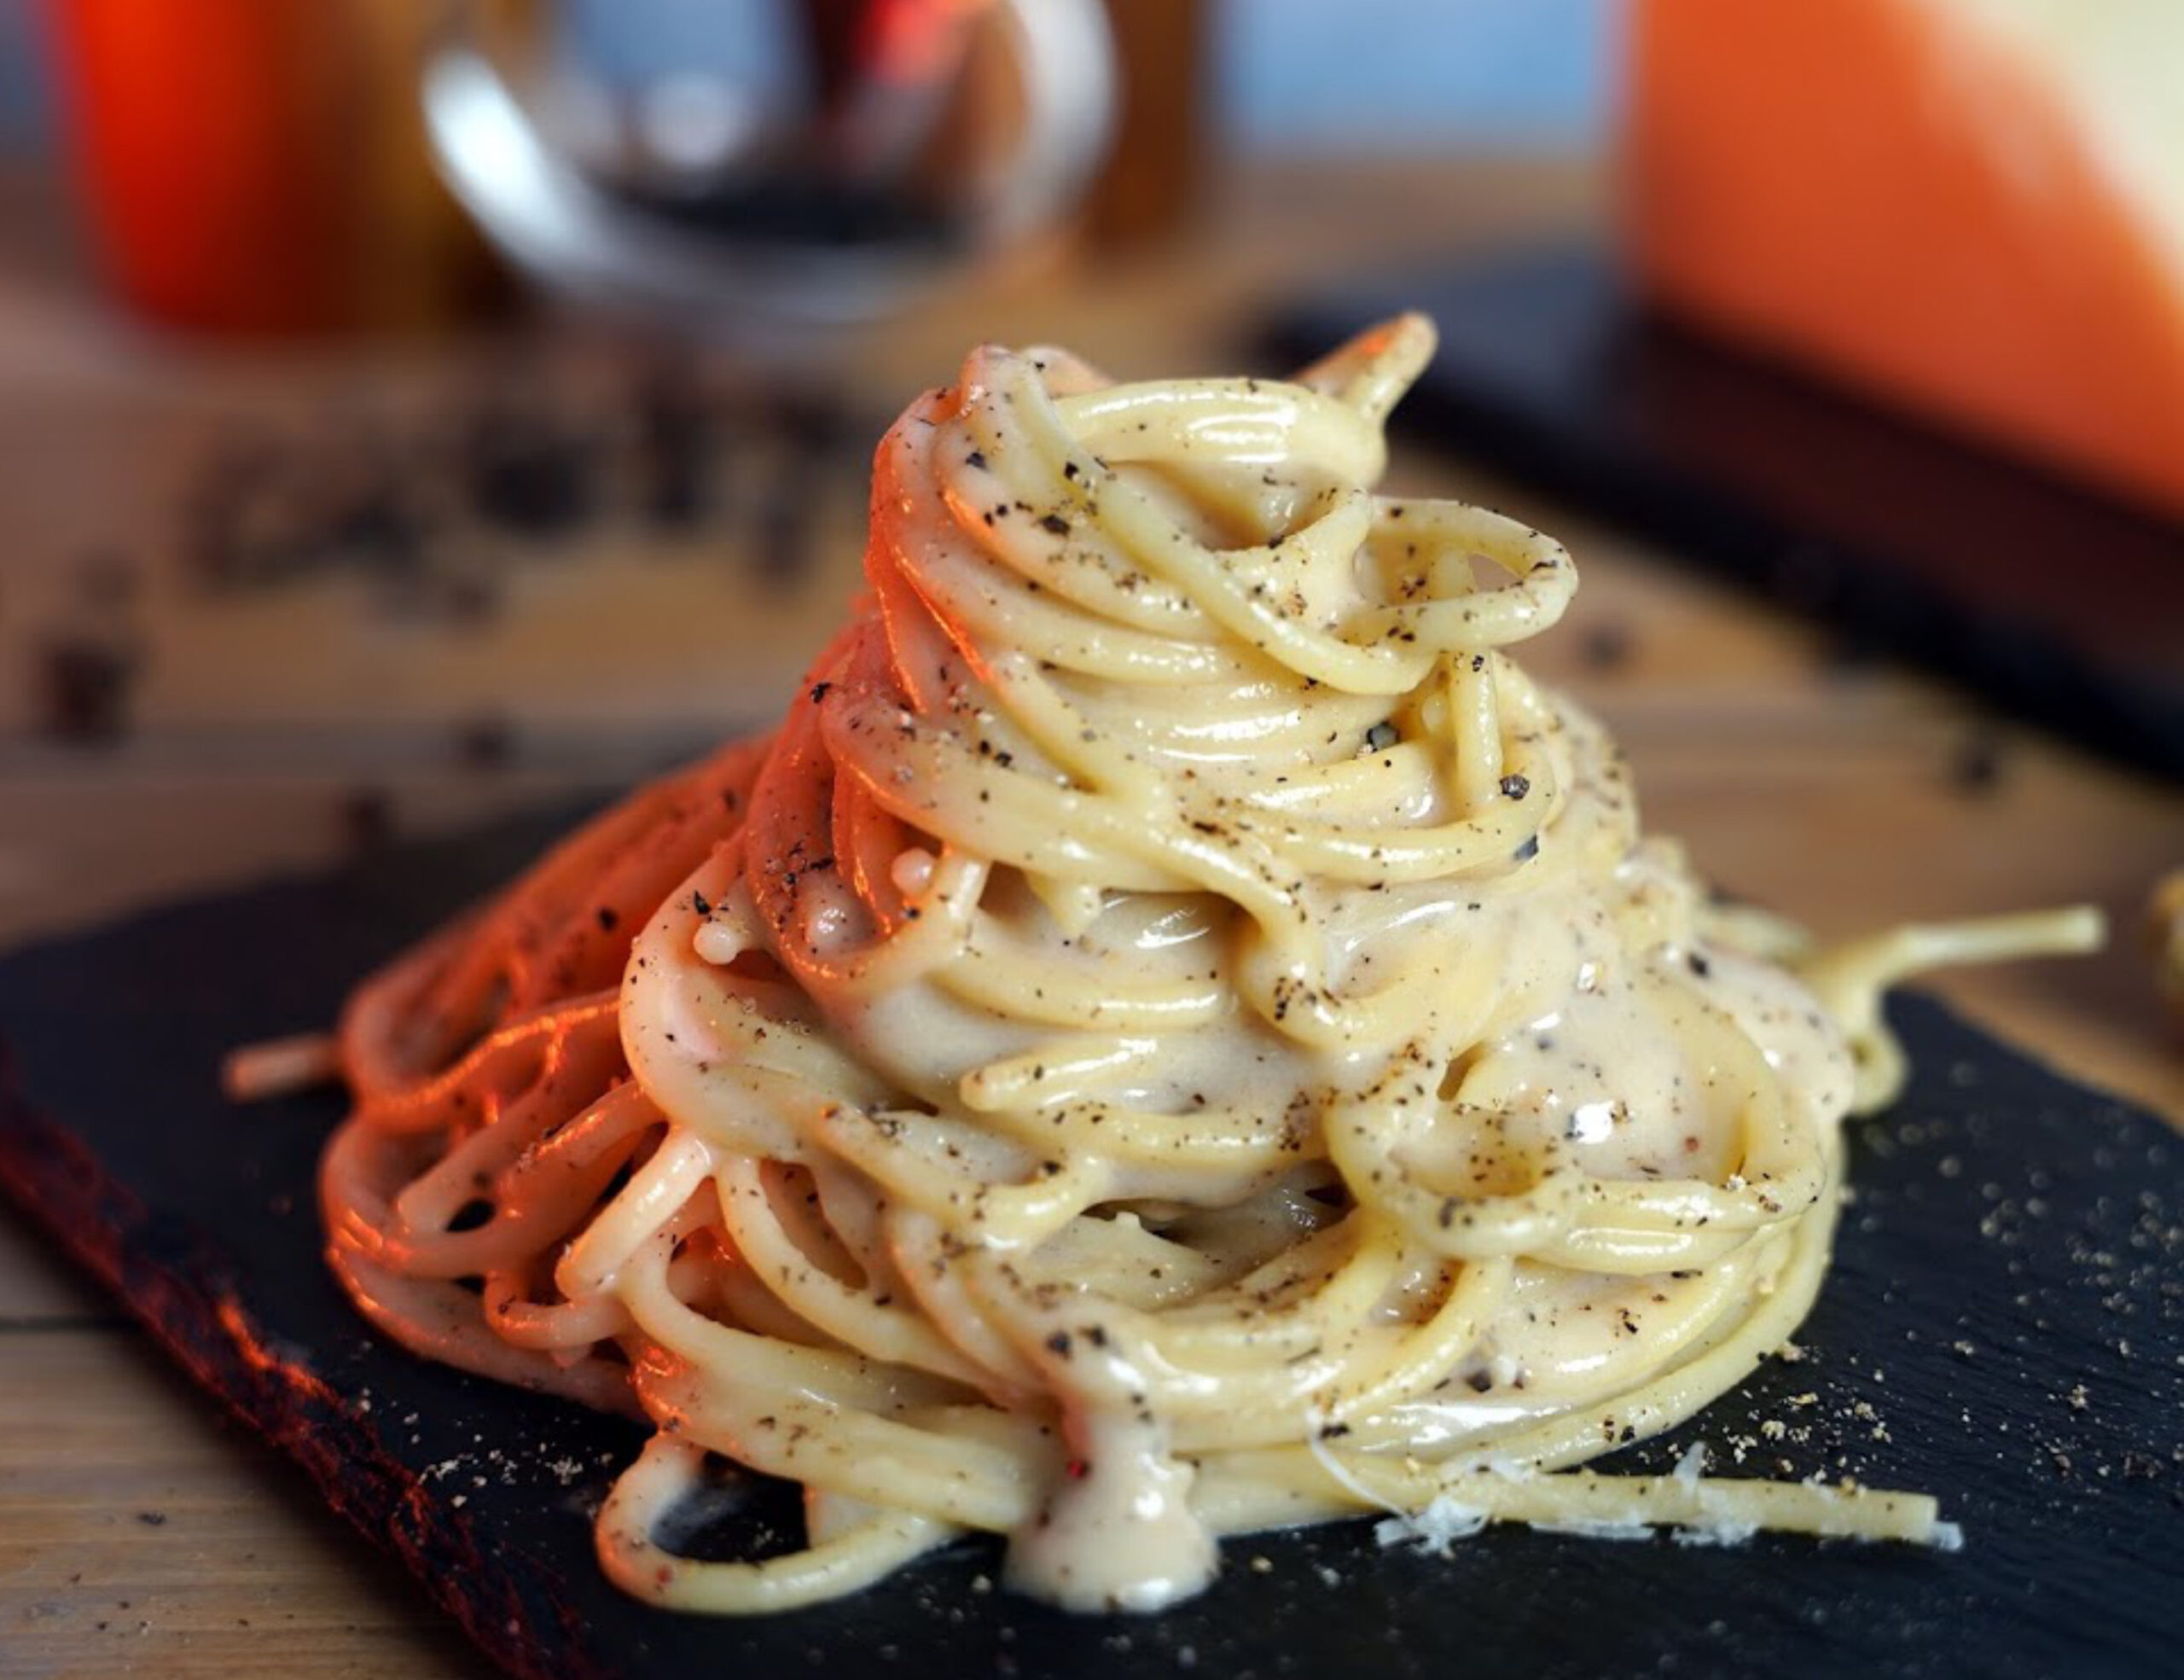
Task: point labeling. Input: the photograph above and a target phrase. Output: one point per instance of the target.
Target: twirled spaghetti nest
(1173, 1034)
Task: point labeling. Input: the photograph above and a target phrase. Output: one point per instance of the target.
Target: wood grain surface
(139, 1533)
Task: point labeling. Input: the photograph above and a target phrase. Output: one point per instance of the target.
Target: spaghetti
(1173, 1035)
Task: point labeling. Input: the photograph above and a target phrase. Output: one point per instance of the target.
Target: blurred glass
(797, 162)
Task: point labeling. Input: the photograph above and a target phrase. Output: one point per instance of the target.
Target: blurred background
(1532, 72)
(407, 409)
(413, 409)
(414, 412)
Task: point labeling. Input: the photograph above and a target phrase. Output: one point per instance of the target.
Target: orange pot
(260, 165)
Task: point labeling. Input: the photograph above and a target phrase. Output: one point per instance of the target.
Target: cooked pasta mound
(1174, 1034)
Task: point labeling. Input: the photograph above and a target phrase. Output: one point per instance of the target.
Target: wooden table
(140, 1531)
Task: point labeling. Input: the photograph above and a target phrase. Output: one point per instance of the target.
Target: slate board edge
(62, 1191)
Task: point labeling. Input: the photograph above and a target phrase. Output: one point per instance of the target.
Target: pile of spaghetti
(1174, 1034)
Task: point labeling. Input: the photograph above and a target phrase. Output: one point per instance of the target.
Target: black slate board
(2046, 597)
(2008, 1302)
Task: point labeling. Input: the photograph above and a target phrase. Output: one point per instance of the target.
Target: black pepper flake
(1528, 850)
(820, 691)
(1516, 787)
(1607, 648)
(1058, 1343)
(677, 432)
(976, 458)
(700, 903)
(367, 818)
(609, 919)
(484, 743)
(527, 471)
(1976, 767)
(1698, 964)
(1055, 524)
